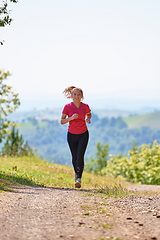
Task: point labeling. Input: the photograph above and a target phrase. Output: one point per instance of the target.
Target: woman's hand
(74, 116)
(65, 120)
(88, 120)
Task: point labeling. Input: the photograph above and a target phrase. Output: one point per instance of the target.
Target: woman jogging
(76, 113)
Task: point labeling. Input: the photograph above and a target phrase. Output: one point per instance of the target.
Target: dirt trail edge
(37, 213)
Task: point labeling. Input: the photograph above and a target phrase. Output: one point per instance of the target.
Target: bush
(142, 165)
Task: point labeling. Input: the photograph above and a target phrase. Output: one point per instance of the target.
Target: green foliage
(9, 102)
(15, 145)
(5, 14)
(142, 165)
(96, 165)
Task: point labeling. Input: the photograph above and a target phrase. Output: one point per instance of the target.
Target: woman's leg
(77, 144)
(73, 145)
(82, 145)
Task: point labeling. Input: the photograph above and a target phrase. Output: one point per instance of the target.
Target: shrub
(142, 165)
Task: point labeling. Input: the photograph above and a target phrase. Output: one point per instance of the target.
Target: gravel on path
(38, 213)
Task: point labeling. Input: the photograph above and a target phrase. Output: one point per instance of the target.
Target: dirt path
(35, 213)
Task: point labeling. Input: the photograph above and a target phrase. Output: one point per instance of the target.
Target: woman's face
(76, 95)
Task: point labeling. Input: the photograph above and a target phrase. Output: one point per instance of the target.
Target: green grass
(33, 171)
(114, 191)
(151, 120)
(107, 226)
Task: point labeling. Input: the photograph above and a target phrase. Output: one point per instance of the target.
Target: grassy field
(33, 171)
(151, 120)
(28, 127)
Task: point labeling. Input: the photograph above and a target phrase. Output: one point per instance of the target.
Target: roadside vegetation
(32, 171)
(142, 165)
(104, 174)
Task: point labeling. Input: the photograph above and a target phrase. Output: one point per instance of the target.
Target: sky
(110, 49)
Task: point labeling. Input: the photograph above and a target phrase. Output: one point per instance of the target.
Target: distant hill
(151, 120)
(47, 136)
(55, 114)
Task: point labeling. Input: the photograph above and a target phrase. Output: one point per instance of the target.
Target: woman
(76, 114)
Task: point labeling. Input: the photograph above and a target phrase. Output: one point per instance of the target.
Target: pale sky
(106, 47)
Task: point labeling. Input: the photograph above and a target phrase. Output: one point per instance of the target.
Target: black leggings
(77, 144)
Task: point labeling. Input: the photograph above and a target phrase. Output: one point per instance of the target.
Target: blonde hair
(68, 91)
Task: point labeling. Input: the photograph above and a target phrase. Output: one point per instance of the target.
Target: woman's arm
(65, 120)
(88, 119)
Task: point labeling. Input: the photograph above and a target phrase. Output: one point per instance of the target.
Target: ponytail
(68, 91)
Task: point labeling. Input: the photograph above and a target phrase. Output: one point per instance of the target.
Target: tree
(5, 15)
(96, 165)
(15, 145)
(8, 99)
(9, 102)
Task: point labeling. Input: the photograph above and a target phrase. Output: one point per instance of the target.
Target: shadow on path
(37, 189)
(7, 180)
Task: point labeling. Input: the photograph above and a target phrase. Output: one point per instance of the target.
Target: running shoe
(78, 183)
